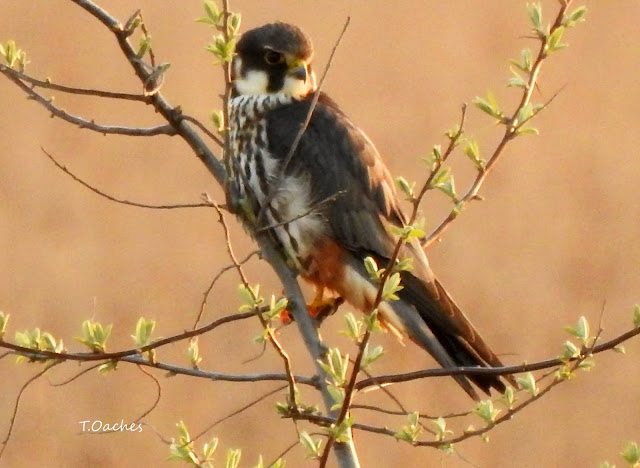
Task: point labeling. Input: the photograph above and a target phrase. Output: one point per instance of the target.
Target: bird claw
(318, 309)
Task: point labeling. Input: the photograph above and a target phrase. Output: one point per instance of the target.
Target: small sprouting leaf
(440, 428)
(336, 366)
(528, 383)
(108, 367)
(194, 352)
(570, 351)
(209, 448)
(217, 117)
(341, 433)
(472, 150)
(4, 319)
(620, 349)
(406, 264)
(516, 81)
(233, 458)
(337, 395)
(581, 330)
(631, 454)
(443, 174)
(535, 15)
(587, 364)
(354, 327)
(371, 355)
(508, 398)
(525, 63)
(486, 411)
(576, 16)
(233, 24)
(311, 446)
(372, 268)
(94, 336)
(391, 287)
(372, 323)
(636, 316)
(405, 187)
(527, 131)
(411, 431)
(489, 106)
(144, 329)
(553, 41)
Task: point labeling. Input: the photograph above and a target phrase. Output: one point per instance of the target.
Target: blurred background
(557, 236)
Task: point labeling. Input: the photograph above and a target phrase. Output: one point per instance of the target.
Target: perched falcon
(331, 203)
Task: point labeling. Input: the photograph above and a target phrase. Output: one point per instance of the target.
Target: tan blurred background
(558, 234)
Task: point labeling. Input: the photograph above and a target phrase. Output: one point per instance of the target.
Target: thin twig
(122, 201)
(238, 411)
(12, 420)
(70, 89)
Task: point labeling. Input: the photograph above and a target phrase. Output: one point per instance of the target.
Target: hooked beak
(298, 70)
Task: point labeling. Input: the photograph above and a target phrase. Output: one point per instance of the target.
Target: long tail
(448, 335)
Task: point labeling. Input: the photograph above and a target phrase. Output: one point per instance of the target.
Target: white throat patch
(255, 83)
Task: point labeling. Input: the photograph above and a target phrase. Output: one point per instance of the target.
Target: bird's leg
(319, 308)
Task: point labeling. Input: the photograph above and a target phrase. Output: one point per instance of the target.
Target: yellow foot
(318, 309)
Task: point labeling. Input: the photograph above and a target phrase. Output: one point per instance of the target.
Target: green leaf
(508, 398)
(636, 316)
(576, 16)
(94, 336)
(391, 287)
(516, 81)
(486, 411)
(620, 349)
(472, 150)
(411, 431)
(528, 383)
(553, 41)
(527, 131)
(489, 106)
(311, 446)
(341, 433)
(354, 327)
(570, 351)
(217, 117)
(144, 329)
(194, 352)
(372, 323)
(587, 364)
(371, 355)
(4, 319)
(233, 458)
(581, 330)
(107, 367)
(372, 268)
(440, 428)
(405, 187)
(209, 448)
(631, 454)
(336, 366)
(525, 63)
(535, 15)
(337, 395)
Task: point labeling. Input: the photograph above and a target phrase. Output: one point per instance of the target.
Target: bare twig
(122, 201)
(12, 421)
(48, 84)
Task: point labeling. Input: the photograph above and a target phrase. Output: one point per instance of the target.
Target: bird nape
(330, 202)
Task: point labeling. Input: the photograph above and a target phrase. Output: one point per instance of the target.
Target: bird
(329, 202)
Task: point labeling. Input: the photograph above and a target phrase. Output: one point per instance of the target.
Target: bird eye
(273, 58)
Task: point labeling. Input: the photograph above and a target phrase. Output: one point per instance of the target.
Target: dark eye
(273, 58)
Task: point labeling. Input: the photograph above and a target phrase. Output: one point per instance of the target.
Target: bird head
(273, 59)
